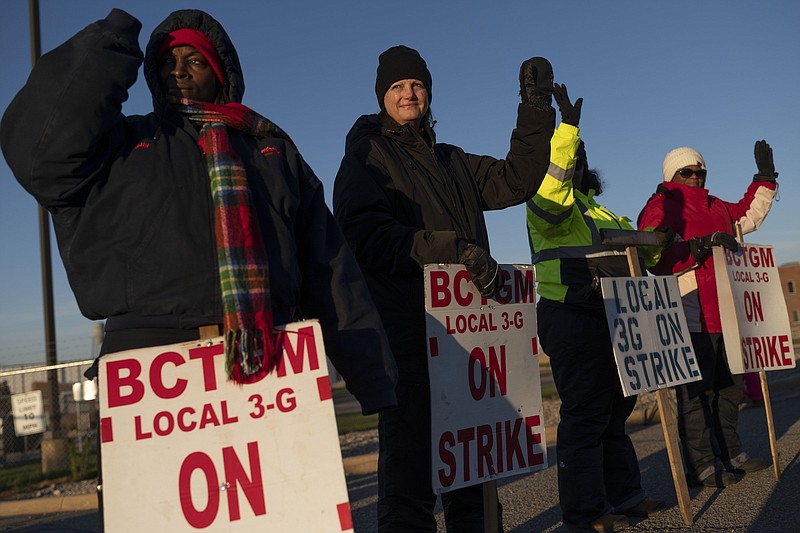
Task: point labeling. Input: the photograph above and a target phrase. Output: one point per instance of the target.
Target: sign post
(674, 367)
(198, 451)
(486, 400)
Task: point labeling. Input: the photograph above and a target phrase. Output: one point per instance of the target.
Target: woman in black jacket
(403, 200)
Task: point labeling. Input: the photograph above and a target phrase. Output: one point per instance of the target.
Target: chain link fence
(42, 437)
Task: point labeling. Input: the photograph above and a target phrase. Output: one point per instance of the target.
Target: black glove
(570, 114)
(701, 246)
(766, 167)
(483, 270)
(536, 82)
(669, 236)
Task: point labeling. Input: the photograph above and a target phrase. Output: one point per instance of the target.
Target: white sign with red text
(649, 334)
(183, 449)
(483, 359)
(755, 323)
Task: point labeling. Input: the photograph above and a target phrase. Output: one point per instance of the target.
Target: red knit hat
(198, 40)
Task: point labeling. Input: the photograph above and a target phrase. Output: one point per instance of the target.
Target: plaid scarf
(250, 344)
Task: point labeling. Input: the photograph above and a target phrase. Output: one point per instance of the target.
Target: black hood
(196, 20)
(365, 126)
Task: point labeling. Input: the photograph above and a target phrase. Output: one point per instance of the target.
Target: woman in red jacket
(708, 409)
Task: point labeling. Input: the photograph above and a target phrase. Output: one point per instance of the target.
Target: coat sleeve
(63, 126)
(677, 257)
(362, 203)
(754, 206)
(334, 291)
(513, 180)
(550, 208)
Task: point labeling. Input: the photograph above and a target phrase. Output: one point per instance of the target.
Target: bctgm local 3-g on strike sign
(183, 449)
(649, 334)
(486, 399)
(755, 323)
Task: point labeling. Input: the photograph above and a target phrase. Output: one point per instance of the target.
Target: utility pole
(46, 261)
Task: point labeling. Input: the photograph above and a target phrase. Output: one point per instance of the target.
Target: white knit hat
(678, 158)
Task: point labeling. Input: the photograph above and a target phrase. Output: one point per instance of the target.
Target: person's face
(185, 73)
(406, 101)
(692, 180)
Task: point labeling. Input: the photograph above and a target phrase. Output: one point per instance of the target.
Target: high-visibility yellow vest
(563, 230)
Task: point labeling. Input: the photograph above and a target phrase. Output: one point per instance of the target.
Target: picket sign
(183, 449)
(666, 408)
(755, 322)
(487, 418)
(649, 333)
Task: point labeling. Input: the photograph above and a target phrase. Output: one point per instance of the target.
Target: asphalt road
(758, 503)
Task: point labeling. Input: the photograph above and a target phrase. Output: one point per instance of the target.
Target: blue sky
(715, 75)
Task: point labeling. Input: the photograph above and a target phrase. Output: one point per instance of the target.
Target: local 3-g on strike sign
(755, 323)
(486, 399)
(649, 333)
(183, 449)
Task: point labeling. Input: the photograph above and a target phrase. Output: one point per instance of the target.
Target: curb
(40, 506)
(361, 464)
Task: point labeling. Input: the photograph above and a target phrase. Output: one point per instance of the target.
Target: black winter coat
(403, 201)
(132, 209)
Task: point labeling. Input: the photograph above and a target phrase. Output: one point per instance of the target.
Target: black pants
(598, 471)
(708, 410)
(405, 493)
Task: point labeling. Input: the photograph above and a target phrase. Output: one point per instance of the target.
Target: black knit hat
(401, 63)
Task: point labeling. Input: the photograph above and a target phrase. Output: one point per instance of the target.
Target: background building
(790, 282)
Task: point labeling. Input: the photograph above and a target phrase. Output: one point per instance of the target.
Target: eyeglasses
(686, 173)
